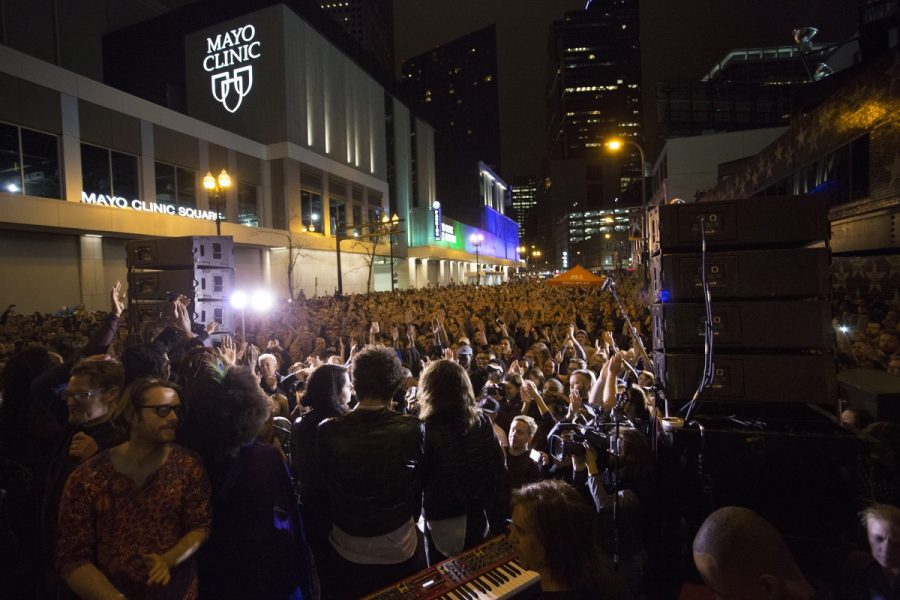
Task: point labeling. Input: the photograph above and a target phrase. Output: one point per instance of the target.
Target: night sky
(680, 40)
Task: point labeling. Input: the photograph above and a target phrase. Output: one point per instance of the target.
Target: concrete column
(202, 194)
(93, 292)
(411, 272)
(71, 148)
(231, 196)
(148, 166)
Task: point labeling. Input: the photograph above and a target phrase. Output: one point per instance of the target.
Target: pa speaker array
(767, 268)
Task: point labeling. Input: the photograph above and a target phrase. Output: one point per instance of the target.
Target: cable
(708, 337)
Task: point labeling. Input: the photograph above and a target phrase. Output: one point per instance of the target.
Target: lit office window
(248, 204)
(29, 162)
(176, 185)
(105, 171)
(311, 210)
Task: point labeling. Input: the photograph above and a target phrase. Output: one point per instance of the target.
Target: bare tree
(370, 251)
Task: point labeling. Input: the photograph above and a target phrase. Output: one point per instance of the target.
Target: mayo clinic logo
(226, 54)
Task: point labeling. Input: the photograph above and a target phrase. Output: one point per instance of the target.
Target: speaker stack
(199, 267)
(767, 267)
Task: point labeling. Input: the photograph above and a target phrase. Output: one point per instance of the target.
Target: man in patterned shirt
(132, 517)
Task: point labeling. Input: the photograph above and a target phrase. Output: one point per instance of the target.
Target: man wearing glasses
(132, 517)
(94, 386)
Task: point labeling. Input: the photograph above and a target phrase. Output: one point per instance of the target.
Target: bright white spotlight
(261, 301)
(14, 188)
(239, 300)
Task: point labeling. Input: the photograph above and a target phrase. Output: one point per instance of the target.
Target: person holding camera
(618, 480)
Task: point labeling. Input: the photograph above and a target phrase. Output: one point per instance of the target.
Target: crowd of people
(350, 442)
(867, 334)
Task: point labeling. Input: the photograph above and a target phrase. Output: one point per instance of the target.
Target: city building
(370, 22)
(316, 156)
(595, 86)
(524, 199)
(749, 88)
(454, 86)
(688, 166)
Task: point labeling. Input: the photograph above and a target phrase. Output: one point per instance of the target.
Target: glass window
(166, 192)
(248, 205)
(186, 184)
(95, 175)
(40, 164)
(311, 210)
(357, 215)
(105, 171)
(175, 185)
(337, 210)
(10, 165)
(29, 162)
(125, 175)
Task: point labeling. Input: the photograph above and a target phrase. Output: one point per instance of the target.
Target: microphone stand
(610, 286)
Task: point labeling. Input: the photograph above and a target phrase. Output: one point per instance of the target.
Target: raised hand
(116, 298)
(227, 352)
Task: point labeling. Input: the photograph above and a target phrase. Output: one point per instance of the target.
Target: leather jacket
(371, 461)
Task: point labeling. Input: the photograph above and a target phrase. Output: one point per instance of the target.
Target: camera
(292, 384)
(492, 389)
(567, 439)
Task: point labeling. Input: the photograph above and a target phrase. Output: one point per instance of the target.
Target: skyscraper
(370, 22)
(524, 198)
(455, 88)
(594, 84)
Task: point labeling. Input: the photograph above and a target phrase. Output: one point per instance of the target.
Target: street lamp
(391, 227)
(216, 189)
(523, 256)
(615, 145)
(477, 239)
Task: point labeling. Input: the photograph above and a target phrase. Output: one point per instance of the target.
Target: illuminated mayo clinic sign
(228, 60)
(147, 207)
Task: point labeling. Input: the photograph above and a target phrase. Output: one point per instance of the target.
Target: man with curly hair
(371, 464)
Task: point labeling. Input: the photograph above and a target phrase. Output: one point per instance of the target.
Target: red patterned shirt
(106, 520)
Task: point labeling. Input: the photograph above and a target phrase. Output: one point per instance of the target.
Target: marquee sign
(149, 207)
(228, 60)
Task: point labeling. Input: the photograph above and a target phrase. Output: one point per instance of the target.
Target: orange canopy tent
(577, 276)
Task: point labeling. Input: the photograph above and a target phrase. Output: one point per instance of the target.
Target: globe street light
(477, 239)
(216, 189)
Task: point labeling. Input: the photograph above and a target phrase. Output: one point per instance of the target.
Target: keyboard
(488, 571)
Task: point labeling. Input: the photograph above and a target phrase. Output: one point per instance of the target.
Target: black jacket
(465, 474)
(371, 461)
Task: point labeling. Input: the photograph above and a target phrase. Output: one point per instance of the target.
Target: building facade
(454, 86)
(315, 155)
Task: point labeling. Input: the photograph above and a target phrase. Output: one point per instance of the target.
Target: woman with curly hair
(257, 548)
(465, 474)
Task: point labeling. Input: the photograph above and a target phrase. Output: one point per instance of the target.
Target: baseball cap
(464, 349)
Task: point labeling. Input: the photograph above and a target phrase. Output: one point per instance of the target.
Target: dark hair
(376, 373)
(446, 396)
(564, 524)
(145, 360)
(133, 398)
(224, 412)
(102, 374)
(21, 369)
(513, 378)
(323, 390)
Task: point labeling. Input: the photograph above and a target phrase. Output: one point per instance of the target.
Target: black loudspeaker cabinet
(795, 325)
(205, 283)
(784, 378)
(760, 274)
(800, 473)
(180, 253)
(747, 223)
